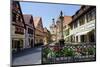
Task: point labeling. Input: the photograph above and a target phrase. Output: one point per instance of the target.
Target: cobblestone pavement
(27, 56)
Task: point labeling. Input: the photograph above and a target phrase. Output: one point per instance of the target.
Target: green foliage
(68, 51)
(46, 50)
(59, 54)
(51, 54)
(91, 51)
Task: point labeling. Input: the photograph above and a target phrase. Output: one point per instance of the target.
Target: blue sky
(48, 11)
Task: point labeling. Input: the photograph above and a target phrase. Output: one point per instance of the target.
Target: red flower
(56, 48)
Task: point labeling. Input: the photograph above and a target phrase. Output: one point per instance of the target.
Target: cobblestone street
(27, 56)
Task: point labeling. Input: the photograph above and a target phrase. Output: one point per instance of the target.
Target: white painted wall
(86, 27)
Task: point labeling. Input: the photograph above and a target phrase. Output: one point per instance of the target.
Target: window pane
(82, 20)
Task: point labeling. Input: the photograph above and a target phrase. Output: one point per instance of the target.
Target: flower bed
(70, 53)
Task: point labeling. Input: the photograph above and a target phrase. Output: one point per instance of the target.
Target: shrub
(46, 50)
(91, 51)
(68, 51)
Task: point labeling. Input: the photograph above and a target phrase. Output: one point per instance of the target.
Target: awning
(82, 33)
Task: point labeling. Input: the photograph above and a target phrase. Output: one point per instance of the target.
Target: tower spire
(53, 21)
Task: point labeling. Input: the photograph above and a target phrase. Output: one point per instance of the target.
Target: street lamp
(62, 37)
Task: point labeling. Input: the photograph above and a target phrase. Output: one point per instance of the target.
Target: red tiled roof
(27, 18)
(67, 20)
(36, 21)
